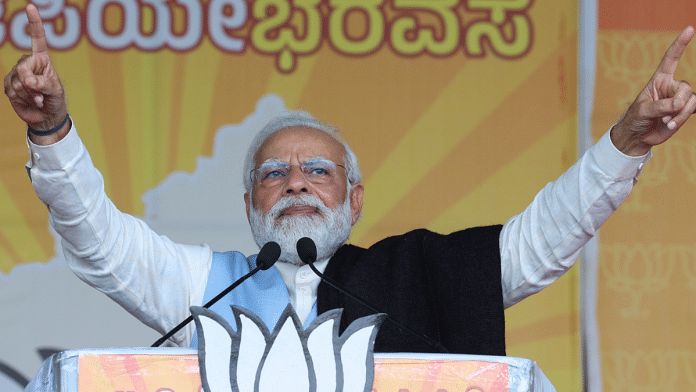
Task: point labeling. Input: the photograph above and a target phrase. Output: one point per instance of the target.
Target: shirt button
(36, 156)
(303, 274)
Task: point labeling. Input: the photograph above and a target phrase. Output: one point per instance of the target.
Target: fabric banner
(459, 112)
(167, 373)
(647, 274)
(177, 370)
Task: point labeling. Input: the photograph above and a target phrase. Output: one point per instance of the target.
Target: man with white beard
(303, 180)
(329, 228)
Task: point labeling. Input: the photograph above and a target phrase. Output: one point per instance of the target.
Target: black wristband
(49, 131)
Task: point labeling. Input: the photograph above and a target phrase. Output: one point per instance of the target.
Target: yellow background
(444, 142)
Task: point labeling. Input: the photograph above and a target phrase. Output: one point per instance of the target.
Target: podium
(176, 370)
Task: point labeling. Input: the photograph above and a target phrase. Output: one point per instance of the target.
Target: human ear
(356, 202)
(247, 201)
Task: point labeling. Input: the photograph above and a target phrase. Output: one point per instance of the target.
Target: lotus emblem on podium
(251, 359)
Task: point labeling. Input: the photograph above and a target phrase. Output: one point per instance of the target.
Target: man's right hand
(33, 86)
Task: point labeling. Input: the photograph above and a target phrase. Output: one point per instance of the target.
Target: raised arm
(152, 277)
(543, 242)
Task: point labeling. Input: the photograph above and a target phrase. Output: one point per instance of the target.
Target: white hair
(289, 120)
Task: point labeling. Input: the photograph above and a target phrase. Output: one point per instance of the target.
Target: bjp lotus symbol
(291, 358)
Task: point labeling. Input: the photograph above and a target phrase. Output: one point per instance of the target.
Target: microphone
(307, 251)
(268, 255)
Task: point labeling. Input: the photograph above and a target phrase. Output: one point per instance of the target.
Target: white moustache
(279, 208)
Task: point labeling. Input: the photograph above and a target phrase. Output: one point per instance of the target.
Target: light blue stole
(265, 293)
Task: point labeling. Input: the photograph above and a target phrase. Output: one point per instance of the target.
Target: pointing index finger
(669, 62)
(38, 35)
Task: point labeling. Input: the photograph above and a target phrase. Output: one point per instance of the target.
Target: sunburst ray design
(437, 138)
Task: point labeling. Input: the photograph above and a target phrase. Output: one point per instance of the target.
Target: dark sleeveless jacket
(446, 287)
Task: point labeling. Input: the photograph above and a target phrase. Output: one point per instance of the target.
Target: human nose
(296, 182)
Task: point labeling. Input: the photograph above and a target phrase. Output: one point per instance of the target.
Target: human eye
(271, 172)
(319, 169)
(275, 173)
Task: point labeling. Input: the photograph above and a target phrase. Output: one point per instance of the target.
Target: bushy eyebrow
(317, 160)
(271, 162)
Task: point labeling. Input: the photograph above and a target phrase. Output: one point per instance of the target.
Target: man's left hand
(660, 109)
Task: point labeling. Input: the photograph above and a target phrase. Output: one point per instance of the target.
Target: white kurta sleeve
(152, 277)
(543, 242)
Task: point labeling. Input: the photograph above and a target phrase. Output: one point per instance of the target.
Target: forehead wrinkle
(300, 135)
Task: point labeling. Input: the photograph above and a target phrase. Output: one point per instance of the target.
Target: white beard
(329, 229)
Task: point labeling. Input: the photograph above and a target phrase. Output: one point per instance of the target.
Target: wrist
(626, 141)
(52, 134)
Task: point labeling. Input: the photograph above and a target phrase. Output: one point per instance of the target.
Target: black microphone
(267, 256)
(307, 251)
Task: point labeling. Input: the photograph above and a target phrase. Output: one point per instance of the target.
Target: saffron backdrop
(647, 273)
(459, 112)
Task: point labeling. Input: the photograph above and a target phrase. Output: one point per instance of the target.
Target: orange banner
(180, 373)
